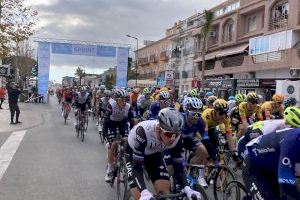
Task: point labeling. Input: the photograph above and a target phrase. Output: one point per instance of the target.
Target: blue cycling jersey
(191, 131)
(278, 154)
(154, 110)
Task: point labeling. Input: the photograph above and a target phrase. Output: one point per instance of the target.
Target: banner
(43, 68)
(83, 50)
(122, 67)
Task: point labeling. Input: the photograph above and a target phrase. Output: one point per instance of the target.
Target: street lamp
(136, 56)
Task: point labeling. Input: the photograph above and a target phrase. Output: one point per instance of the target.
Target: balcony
(228, 37)
(163, 56)
(269, 57)
(143, 61)
(232, 61)
(278, 22)
(153, 58)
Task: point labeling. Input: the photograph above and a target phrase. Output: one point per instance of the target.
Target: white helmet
(194, 102)
(164, 95)
(170, 120)
(102, 87)
(120, 93)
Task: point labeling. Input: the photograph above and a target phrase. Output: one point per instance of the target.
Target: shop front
(222, 88)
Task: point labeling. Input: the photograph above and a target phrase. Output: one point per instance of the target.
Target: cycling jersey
(189, 132)
(82, 99)
(268, 108)
(270, 165)
(117, 113)
(245, 113)
(146, 148)
(257, 129)
(210, 122)
(154, 110)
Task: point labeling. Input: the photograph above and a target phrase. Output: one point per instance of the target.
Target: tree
(17, 22)
(110, 81)
(206, 29)
(80, 74)
(131, 73)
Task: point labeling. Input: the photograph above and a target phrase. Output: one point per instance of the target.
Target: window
(228, 31)
(280, 10)
(251, 23)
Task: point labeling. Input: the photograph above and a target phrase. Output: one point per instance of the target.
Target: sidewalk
(28, 117)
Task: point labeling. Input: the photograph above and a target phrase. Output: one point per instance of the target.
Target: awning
(196, 32)
(232, 51)
(224, 52)
(208, 56)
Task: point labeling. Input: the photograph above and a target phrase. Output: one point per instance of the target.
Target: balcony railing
(233, 61)
(143, 61)
(163, 56)
(153, 58)
(269, 57)
(278, 22)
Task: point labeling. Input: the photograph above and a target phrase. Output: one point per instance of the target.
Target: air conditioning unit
(212, 34)
(294, 72)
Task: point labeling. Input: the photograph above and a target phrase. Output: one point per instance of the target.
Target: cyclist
(147, 140)
(210, 102)
(273, 109)
(271, 168)
(208, 94)
(247, 110)
(193, 124)
(103, 104)
(82, 101)
(144, 101)
(290, 102)
(133, 100)
(119, 113)
(162, 101)
(291, 115)
(231, 103)
(234, 114)
(67, 99)
(213, 118)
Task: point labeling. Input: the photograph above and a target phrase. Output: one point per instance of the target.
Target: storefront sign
(247, 83)
(222, 83)
(267, 83)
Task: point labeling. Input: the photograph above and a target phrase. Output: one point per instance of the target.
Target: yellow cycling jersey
(268, 108)
(210, 122)
(245, 113)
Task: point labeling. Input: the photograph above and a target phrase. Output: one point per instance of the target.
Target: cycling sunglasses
(254, 102)
(121, 99)
(194, 114)
(170, 134)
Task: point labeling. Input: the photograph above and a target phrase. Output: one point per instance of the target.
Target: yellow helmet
(221, 105)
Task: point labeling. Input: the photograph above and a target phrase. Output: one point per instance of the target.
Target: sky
(107, 21)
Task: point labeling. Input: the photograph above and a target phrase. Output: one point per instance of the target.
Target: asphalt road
(52, 164)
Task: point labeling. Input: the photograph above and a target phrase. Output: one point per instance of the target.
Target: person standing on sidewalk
(2, 96)
(13, 96)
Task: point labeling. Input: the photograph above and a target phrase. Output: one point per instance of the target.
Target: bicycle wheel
(82, 131)
(86, 122)
(200, 189)
(122, 182)
(235, 190)
(224, 176)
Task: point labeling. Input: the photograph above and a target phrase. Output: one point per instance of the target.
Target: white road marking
(8, 150)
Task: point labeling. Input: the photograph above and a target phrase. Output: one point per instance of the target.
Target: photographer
(13, 96)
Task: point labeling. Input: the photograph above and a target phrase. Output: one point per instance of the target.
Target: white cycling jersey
(154, 145)
(119, 114)
(82, 99)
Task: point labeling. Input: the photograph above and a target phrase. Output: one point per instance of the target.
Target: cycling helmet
(164, 95)
(278, 98)
(252, 97)
(193, 93)
(146, 91)
(170, 119)
(291, 101)
(120, 93)
(201, 94)
(194, 102)
(102, 87)
(292, 116)
(211, 99)
(230, 98)
(208, 94)
(184, 93)
(260, 97)
(107, 92)
(239, 98)
(221, 105)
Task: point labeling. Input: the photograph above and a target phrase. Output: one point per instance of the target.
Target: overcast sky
(108, 21)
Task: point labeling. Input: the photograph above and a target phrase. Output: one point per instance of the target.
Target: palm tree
(79, 73)
(206, 29)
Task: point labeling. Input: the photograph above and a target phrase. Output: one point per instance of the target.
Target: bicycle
(176, 195)
(237, 191)
(100, 131)
(81, 126)
(120, 171)
(66, 111)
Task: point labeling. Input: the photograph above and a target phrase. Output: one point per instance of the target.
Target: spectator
(13, 96)
(2, 95)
